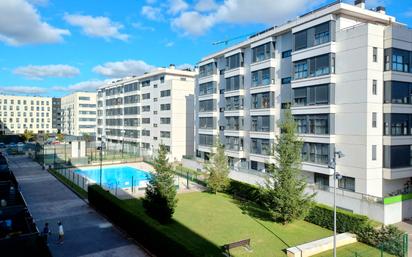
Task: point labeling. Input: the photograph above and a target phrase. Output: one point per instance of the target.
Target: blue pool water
(115, 175)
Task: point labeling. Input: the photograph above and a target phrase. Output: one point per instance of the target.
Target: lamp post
(101, 160)
(123, 134)
(336, 176)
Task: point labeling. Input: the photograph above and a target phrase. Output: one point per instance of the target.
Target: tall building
(56, 114)
(145, 111)
(346, 73)
(18, 113)
(79, 113)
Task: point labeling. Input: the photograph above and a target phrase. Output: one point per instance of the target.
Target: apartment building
(346, 73)
(56, 114)
(145, 111)
(79, 113)
(20, 113)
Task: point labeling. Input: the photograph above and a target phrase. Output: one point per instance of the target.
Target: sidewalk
(86, 232)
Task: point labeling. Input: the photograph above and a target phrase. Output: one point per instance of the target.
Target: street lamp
(336, 176)
(101, 160)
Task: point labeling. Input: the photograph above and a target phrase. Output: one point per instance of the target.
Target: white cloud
(88, 85)
(206, 5)
(39, 72)
(152, 13)
(97, 26)
(39, 2)
(193, 23)
(242, 11)
(21, 24)
(123, 68)
(140, 26)
(177, 6)
(169, 44)
(25, 90)
(151, 1)
(185, 66)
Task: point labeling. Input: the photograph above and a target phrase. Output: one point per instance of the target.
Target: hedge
(243, 190)
(388, 238)
(322, 215)
(140, 228)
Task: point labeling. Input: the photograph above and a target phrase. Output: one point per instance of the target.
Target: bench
(245, 243)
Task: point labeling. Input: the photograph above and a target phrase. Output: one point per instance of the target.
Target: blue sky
(54, 47)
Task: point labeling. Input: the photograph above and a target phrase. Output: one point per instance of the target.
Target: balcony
(397, 173)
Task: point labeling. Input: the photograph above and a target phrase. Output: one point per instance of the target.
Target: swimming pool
(121, 176)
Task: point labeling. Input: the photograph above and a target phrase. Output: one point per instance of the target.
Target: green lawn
(355, 250)
(219, 220)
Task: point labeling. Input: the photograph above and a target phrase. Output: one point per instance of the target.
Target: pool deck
(87, 233)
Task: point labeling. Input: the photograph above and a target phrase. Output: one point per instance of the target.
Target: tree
(217, 170)
(60, 137)
(283, 192)
(28, 135)
(160, 199)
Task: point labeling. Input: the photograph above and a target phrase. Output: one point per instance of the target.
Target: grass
(80, 192)
(220, 220)
(355, 250)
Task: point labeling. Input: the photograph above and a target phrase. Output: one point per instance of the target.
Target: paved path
(407, 227)
(86, 232)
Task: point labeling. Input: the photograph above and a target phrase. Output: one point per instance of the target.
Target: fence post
(381, 246)
(405, 245)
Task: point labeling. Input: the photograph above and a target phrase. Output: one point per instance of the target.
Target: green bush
(244, 190)
(138, 227)
(388, 238)
(346, 221)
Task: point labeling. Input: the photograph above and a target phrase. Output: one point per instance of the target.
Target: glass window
(287, 54)
(207, 70)
(373, 152)
(234, 61)
(315, 153)
(347, 183)
(263, 100)
(260, 123)
(207, 88)
(286, 80)
(262, 52)
(301, 70)
(375, 54)
(374, 119)
(207, 105)
(300, 40)
(321, 34)
(374, 87)
(234, 83)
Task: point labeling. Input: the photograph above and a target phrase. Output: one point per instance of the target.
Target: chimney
(360, 3)
(172, 66)
(381, 9)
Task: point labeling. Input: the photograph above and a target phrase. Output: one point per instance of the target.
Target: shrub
(244, 190)
(346, 221)
(139, 227)
(388, 238)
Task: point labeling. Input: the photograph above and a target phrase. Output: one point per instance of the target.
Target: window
(146, 133)
(164, 120)
(263, 52)
(207, 88)
(164, 93)
(321, 180)
(207, 105)
(286, 80)
(396, 124)
(315, 153)
(145, 120)
(373, 152)
(321, 34)
(146, 108)
(234, 143)
(234, 61)
(146, 83)
(234, 83)
(207, 122)
(234, 123)
(287, 54)
(260, 146)
(261, 123)
(165, 107)
(397, 60)
(146, 96)
(375, 54)
(314, 95)
(374, 119)
(300, 40)
(399, 156)
(347, 183)
(84, 98)
(374, 87)
(206, 140)
(261, 77)
(312, 124)
(263, 100)
(234, 103)
(314, 67)
(207, 70)
(165, 134)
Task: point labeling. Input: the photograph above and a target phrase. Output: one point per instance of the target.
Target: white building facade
(20, 113)
(345, 71)
(147, 110)
(78, 114)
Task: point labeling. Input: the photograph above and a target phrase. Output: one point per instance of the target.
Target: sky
(55, 47)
